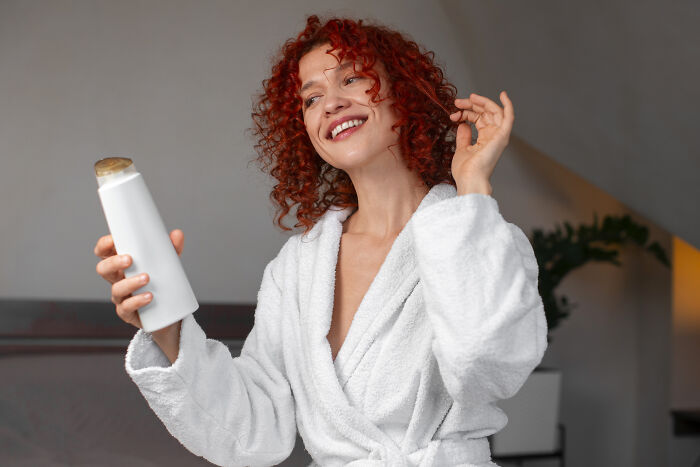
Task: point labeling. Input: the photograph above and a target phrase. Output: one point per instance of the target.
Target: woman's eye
(310, 101)
(352, 79)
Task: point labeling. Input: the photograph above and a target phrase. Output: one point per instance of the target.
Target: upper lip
(337, 122)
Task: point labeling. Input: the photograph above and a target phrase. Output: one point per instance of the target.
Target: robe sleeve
(231, 411)
(479, 278)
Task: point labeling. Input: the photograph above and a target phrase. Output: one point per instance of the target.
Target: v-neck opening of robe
(361, 320)
(339, 358)
(395, 280)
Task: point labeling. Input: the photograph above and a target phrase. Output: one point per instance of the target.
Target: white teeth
(345, 125)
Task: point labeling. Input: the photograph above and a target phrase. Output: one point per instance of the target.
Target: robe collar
(395, 279)
(398, 266)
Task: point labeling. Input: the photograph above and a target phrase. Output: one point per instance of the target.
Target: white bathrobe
(452, 322)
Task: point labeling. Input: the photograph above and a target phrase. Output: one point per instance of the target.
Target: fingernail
(125, 260)
(142, 278)
(148, 296)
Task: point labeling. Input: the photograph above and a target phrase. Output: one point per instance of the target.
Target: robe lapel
(396, 277)
(318, 259)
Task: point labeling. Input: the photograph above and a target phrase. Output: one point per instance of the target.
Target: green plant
(558, 253)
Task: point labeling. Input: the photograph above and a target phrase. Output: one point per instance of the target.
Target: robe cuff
(429, 223)
(147, 364)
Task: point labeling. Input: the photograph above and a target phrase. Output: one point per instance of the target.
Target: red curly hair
(421, 96)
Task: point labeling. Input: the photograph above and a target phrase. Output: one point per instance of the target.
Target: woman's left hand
(473, 164)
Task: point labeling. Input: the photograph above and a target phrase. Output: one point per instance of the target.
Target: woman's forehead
(320, 62)
(322, 59)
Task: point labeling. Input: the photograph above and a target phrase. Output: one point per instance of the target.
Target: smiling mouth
(346, 125)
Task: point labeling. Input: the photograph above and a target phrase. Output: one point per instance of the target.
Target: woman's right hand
(111, 268)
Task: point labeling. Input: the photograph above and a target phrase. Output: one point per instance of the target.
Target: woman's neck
(385, 204)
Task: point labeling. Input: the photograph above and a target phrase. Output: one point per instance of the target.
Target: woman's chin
(352, 163)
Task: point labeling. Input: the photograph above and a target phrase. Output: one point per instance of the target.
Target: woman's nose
(335, 101)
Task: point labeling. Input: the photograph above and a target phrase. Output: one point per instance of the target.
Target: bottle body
(138, 230)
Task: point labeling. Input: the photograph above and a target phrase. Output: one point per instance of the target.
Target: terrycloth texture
(451, 323)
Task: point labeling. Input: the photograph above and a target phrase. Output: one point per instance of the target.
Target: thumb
(178, 239)
(464, 135)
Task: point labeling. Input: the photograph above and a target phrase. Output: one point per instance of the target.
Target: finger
(464, 115)
(463, 103)
(478, 108)
(112, 268)
(481, 119)
(509, 113)
(466, 104)
(128, 309)
(486, 103)
(471, 106)
(464, 136)
(105, 247)
(177, 236)
(497, 119)
(126, 287)
(485, 118)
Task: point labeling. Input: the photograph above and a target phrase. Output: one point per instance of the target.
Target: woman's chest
(368, 304)
(359, 261)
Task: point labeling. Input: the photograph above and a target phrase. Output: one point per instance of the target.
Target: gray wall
(606, 88)
(614, 348)
(169, 83)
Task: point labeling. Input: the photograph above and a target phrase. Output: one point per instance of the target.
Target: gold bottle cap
(111, 165)
(114, 170)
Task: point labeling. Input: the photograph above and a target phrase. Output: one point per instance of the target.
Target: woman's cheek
(315, 143)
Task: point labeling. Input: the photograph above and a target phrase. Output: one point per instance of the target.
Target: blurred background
(605, 97)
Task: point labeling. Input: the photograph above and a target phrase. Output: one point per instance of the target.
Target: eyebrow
(308, 84)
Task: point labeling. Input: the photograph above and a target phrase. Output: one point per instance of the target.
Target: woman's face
(346, 129)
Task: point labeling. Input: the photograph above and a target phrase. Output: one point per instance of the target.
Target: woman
(404, 242)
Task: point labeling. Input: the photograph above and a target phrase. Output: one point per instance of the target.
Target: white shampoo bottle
(138, 230)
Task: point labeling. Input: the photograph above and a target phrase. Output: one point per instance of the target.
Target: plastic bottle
(138, 230)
